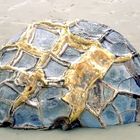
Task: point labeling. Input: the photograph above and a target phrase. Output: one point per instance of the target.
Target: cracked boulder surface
(67, 75)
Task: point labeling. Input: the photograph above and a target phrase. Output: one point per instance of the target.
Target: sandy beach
(122, 15)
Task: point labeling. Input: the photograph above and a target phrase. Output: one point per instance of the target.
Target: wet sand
(126, 132)
(122, 15)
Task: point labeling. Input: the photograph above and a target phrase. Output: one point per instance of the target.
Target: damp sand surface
(122, 15)
(124, 132)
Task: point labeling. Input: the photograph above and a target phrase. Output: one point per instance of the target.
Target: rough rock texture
(39, 68)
